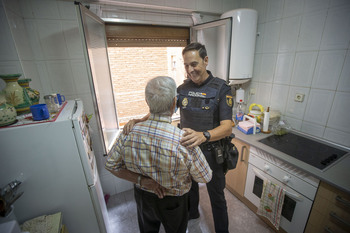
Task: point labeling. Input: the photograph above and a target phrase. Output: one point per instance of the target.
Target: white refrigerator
(57, 167)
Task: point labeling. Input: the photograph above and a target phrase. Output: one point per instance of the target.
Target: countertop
(338, 174)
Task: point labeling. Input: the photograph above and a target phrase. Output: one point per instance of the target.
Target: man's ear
(206, 60)
(174, 105)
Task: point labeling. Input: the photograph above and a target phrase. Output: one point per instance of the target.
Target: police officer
(205, 104)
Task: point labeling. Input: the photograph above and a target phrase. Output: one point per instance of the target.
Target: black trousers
(171, 211)
(216, 194)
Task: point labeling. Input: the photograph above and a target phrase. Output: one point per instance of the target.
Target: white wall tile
(293, 7)
(252, 98)
(257, 67)
(337, 136)
(34, 40)
(260, 38)
(289, 34)
(188, 4)
(246, 3)
(80, 76)
(274, 10)
(215, 6)
(340, 110)
(7, 45)
(260, 6)
(263, 94)
(335, 3)
(172, 3)
(228, 5)
(284, 68)
(304, 67)
(67, 10)
(297, 109)
(44, 78)
(336, 34)
(267, 68)
(72, 39)
(156, 2)
(279, 97)
(315, 5)
(318, 106)
(294, 123)
(47, 10)
(312, 129)
(344, 82)
(271, 36)
(11, 5)
(52, 39)
(20, 36)
(203, 5)
(61, 77)
(311, 30)
(328, 69)
(10, 67)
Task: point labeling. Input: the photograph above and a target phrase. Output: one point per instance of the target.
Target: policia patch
(229, 101)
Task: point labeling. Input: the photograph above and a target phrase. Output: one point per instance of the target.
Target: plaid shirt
(153, 149)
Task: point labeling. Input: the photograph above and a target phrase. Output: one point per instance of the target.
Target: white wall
(303, 47)
(41, 40)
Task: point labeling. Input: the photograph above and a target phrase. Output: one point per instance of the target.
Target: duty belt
(209, 145)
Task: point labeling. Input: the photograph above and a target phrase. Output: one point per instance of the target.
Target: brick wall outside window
(132, 67)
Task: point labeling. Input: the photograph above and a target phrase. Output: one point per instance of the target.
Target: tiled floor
(123, 218)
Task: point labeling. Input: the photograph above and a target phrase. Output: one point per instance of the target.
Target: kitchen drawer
(331, 211)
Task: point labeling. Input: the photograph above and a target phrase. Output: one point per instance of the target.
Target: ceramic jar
(7, 112)
(34, 95)
(16, 95)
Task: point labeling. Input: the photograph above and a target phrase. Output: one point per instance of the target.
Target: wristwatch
(206, 135)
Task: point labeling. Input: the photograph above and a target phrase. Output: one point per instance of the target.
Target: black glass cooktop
(307, 150)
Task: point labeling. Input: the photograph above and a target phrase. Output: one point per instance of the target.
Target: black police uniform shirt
(203, 106)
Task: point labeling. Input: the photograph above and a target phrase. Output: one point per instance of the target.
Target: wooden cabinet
(330, 211)
(235, 179)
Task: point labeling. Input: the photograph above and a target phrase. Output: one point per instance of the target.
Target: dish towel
(271, 202)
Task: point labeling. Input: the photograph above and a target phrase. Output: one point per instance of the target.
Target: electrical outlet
(252, 91)
(299, 97)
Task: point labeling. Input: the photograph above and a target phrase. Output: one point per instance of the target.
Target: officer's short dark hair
(196, 46)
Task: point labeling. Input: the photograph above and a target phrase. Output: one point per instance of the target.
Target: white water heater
(244, 32)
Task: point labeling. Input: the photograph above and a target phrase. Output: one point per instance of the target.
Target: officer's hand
(151, 184)
(192, 138)
(128, 127)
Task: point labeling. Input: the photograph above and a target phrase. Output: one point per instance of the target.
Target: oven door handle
(291, 195)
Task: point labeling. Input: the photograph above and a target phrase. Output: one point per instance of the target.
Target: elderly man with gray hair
(152, 157)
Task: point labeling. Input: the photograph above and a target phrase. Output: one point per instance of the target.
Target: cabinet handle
(334, 215)
(242, 153)
(343, 201)
(327, 229)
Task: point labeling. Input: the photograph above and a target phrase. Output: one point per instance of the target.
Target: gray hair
(160, 92)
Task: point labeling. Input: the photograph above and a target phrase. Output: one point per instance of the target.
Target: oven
(300, 188)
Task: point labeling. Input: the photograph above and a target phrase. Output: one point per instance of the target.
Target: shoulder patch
(229, 100)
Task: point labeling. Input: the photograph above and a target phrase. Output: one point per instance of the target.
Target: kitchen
(302, 48)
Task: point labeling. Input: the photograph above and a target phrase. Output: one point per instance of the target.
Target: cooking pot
(256, 111)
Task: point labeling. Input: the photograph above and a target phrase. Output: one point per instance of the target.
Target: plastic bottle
(239, 112)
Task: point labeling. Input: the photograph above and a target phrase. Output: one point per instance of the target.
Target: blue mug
(60, 98)
(39, 112)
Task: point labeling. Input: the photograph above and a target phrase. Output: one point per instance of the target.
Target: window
(138, 53)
